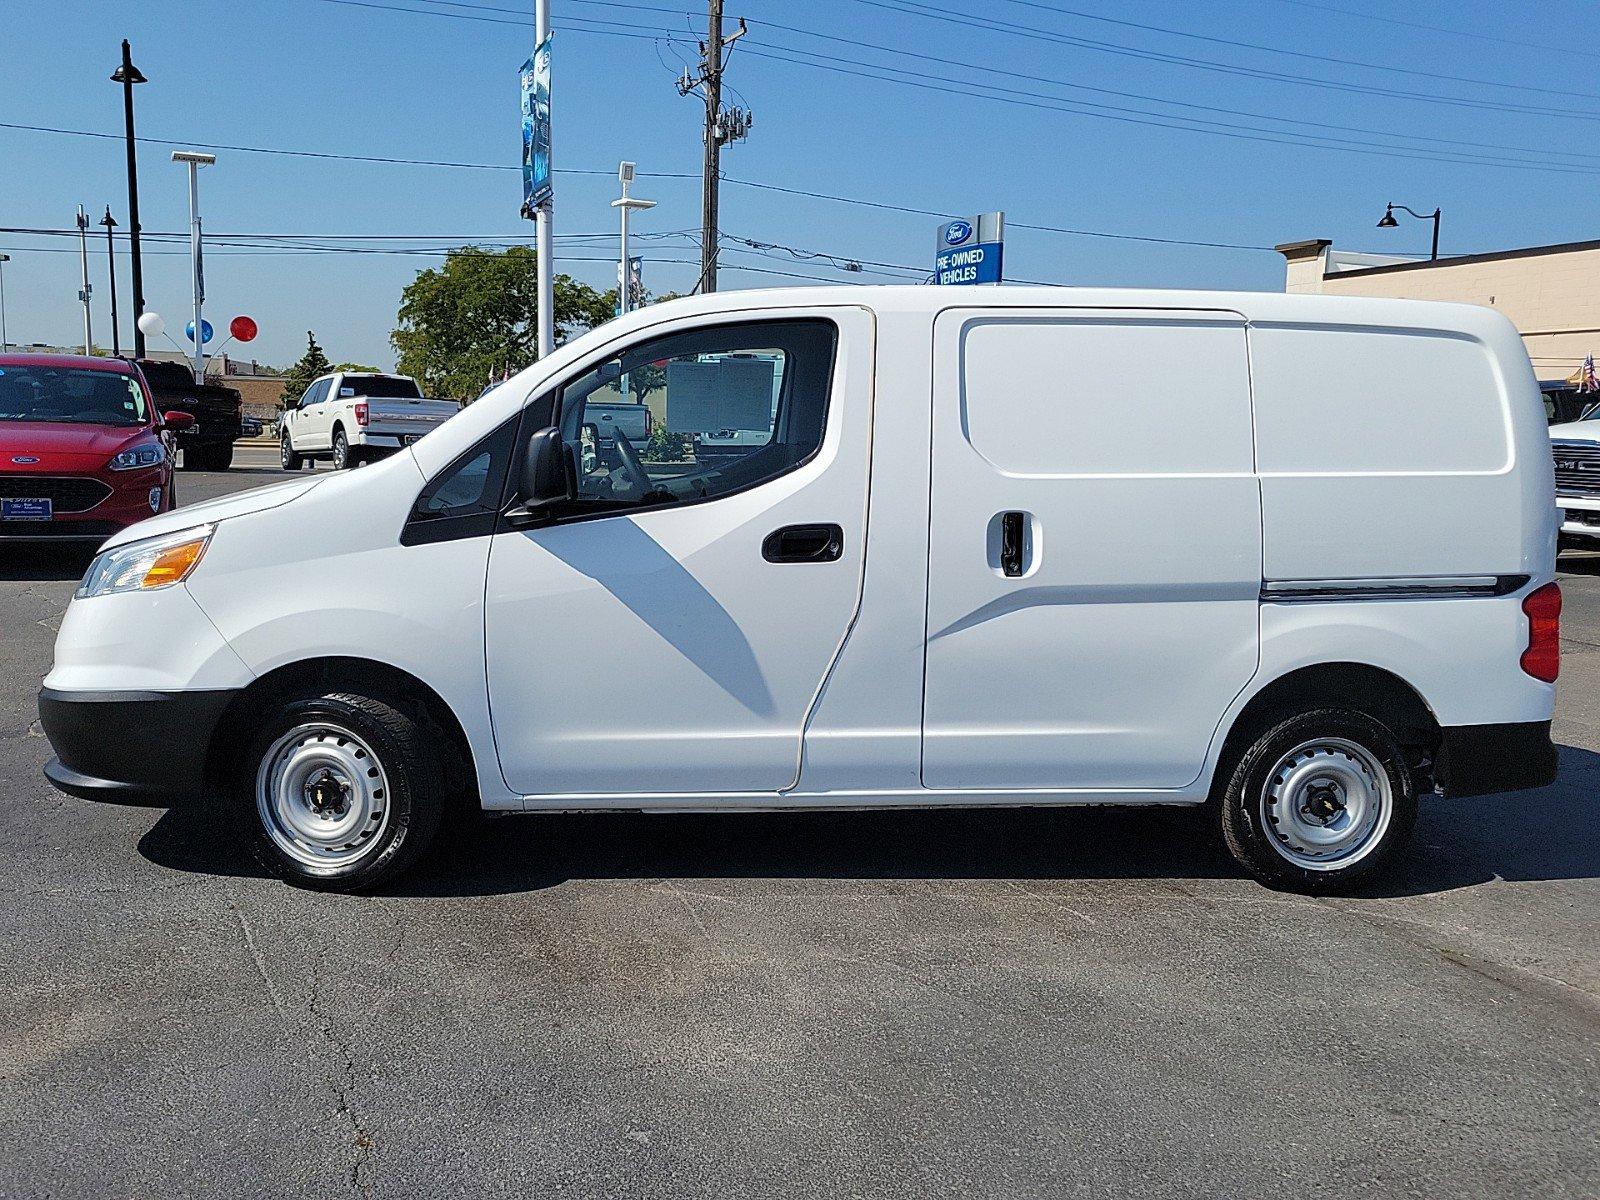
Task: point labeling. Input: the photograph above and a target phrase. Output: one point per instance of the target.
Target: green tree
(312, 364)
(466, 323)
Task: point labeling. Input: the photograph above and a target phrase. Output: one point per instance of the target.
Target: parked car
(1300, 591)
(250, 427)
(83, 452)
(207, 443)
(352, 417)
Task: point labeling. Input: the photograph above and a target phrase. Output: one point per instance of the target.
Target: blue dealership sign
(970, 251)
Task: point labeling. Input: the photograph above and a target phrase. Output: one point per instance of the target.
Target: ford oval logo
(957, 232)
(23, 460)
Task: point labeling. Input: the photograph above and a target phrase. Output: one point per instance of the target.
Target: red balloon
(242, 328)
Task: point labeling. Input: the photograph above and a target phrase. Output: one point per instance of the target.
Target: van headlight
(146, 454)
(156, 562)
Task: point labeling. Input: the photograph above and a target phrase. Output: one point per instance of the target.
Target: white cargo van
(1289, 557)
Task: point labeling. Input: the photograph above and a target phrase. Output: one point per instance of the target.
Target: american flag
(1590, 382)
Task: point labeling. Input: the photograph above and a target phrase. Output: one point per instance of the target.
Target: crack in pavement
(362, 1141)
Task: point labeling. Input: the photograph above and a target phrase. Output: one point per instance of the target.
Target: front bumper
(127, 503)
(1475, 760)
(130, 744)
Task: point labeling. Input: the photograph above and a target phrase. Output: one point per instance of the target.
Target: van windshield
(66, 395)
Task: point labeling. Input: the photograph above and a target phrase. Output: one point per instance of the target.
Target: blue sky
(364, 79)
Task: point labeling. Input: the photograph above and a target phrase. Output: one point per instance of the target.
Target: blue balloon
(205, 331)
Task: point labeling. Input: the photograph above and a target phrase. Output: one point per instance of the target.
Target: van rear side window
(1372, 401)
(1107, 394)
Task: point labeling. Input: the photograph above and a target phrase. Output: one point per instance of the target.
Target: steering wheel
(638, 477)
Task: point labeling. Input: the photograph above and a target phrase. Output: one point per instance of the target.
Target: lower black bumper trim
(1475, 760)
(130, 743)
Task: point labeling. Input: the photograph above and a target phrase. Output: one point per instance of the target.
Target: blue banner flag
(536, 183)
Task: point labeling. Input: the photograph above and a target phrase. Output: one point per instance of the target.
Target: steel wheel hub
(1326, 804)
(322, 796)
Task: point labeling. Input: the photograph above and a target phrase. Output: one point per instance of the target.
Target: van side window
(464, 499)
(696, 415)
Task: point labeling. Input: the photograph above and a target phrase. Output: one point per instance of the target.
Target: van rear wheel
(341, 791)
(1319, 801)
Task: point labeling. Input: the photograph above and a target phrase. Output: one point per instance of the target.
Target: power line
(1057, 82)
(727, 179)
(1037, 33)
(1327, 58)
(1482, 37)
(1154, 120)
(928, 212)
(1124, 115)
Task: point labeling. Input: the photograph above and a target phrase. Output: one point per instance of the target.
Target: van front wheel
(1319, 801)
(341, 791)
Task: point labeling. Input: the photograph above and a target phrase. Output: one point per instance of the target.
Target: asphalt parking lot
(1007, 1003)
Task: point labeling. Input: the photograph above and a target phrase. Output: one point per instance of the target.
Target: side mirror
(292, 403)
(176, 421)
(545, 479)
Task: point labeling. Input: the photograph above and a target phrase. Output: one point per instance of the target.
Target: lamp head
(193, 156)
(1387, 221)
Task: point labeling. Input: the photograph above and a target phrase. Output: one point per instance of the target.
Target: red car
(82, 452)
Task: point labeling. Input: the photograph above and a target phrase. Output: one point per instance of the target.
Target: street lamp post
(87, 289)
(1387, 221)
(195, 161)
(110, 223)
(544, 218)
(128, 75)
(626, 204)
(4, 259)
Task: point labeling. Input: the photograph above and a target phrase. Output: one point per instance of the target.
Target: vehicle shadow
(29, 562)
(1527, 836)
(1578, 562)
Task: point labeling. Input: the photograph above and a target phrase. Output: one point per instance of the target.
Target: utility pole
(86, 289)
(626, 204)
(195, 161)
(128, 75)
(111, 274)
(4, 259)
(721, 128)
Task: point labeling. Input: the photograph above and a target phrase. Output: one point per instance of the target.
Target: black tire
(287, 456)
(341, 451)
(403, 758)
(1262, 777)
(215, 456)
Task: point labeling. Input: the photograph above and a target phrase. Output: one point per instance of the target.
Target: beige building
(1550, 293)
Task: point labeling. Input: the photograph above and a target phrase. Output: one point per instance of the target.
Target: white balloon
(151, 324)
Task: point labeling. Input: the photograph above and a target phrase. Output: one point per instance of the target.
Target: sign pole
(544, 239)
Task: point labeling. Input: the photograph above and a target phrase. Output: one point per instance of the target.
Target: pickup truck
(352, 417)
(207, 445)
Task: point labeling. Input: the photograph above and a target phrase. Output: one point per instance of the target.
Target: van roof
(1255, 306)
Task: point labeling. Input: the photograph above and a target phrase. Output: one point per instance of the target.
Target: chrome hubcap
(1326, 804)
(322, 796)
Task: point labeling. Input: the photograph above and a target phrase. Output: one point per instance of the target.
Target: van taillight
(361, 412)
(1542, 658)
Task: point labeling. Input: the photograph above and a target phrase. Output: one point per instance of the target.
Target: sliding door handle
(1011, 544)
(804, 544)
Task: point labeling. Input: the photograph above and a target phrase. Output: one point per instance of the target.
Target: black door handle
(1011, 543)
(803, 544)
